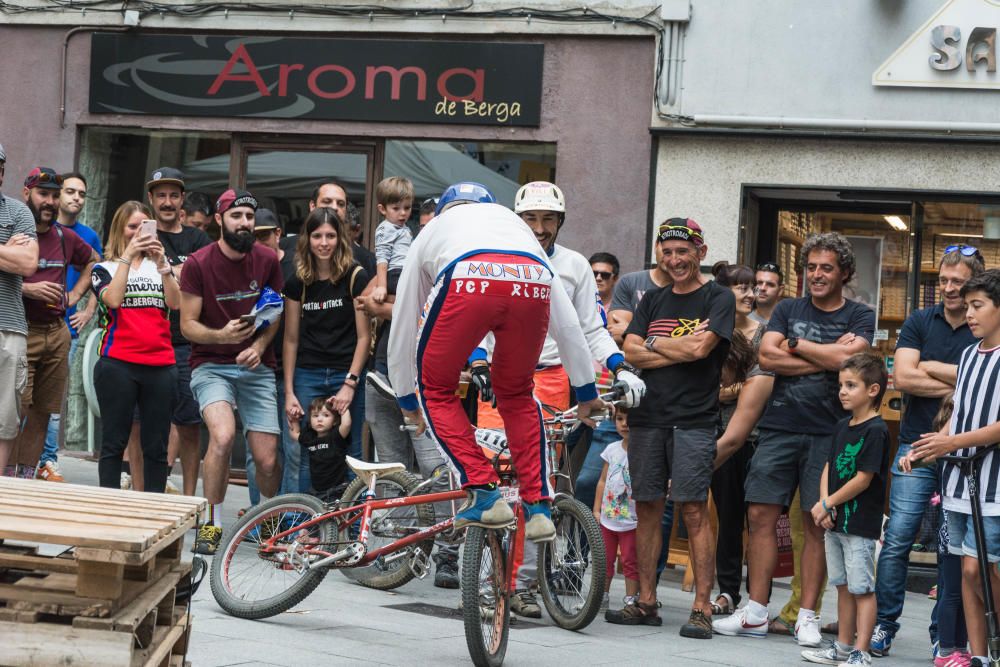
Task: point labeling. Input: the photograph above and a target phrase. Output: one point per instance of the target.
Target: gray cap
(265, 219)
(3, 155)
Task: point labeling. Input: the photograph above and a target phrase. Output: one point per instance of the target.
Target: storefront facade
(877, 120)
(279, 101)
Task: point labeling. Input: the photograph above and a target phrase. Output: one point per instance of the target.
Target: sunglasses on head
(603, 275)
(44, 177)
(430, 201)
(770, 267)
(966, 250)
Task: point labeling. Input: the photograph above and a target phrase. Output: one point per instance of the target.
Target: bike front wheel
(572, 567)
(251, 582)
(486, 595)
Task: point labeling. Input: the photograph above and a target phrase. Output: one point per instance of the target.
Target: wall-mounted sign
(317, 78)
(956, 48)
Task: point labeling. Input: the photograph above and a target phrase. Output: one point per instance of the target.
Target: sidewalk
(343, 623)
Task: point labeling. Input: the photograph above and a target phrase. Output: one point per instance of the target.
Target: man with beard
(232, 364)
(806, 342)
(165, 190)
(45, 303)
(71, 200)
(18, 258)
(769, 288)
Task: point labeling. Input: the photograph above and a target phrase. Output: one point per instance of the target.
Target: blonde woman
(136, 290)
(326, 340)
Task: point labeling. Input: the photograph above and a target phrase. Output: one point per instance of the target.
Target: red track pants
(508, 295)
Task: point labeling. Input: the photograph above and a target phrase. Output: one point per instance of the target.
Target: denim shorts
(850, 561)
(962, 537)
(784, 461)
(682, 456)
(252, 392)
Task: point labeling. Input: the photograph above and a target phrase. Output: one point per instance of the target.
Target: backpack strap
(354, 274)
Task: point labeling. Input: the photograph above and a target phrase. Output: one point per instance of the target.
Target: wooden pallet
(118, 537)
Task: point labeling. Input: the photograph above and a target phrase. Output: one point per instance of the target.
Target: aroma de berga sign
(317, 78)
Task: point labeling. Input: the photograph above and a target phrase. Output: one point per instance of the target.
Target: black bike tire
(368, 576)
(570, 509)
(295, 593)
(476, 540)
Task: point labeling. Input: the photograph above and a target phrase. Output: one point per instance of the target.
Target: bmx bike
(380, 533)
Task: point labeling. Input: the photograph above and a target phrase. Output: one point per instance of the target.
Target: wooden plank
(12, 485)
(138, 501)
(90, 507)
(144, 526)
(134, 558)
(43, 563)
(75, 534)
(94, 579)
(46, 644)
(132, 615)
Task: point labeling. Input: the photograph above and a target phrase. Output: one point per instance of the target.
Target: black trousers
(120, 387)
(730, 506)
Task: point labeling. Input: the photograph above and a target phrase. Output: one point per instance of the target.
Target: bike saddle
(365, 470)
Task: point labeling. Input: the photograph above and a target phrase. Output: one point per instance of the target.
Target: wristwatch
(793, 342)
(650, 342)
(352, 376)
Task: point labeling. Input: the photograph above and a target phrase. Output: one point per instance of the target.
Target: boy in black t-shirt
(852, 494)
(327, 441)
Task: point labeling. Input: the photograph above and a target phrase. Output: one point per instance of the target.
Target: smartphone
(148, 228)
(248, 319)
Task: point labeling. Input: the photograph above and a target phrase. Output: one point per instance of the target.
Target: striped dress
(977, 405)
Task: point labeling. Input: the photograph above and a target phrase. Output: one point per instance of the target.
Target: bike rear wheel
(250, 583)
(572, 568)
(486, 595)
(387, 526)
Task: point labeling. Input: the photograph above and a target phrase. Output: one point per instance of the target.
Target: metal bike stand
(970, 466)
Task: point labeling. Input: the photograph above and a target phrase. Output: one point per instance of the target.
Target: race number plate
(510, 493)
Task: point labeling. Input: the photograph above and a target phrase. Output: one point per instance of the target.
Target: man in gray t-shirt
(628, 294)
(18, 258)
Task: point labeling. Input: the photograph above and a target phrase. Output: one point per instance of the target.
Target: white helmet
(539, 196)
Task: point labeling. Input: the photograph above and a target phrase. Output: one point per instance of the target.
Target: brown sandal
(635, 614)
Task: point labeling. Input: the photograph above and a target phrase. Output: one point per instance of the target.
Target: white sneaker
(126, 481)
(831, 655)
(807, 632)
(736, 625)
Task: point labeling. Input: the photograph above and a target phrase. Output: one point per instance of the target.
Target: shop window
(117, 164)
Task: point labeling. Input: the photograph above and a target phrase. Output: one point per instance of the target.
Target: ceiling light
(896, 222)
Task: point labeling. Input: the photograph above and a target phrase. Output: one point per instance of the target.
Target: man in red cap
(232, 363)
(45, 303)
(679, 337)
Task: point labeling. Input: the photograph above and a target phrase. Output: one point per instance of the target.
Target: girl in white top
(615, 510)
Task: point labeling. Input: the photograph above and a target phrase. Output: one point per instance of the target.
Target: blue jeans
(908, 499)
(593, 464)
(51, 448)
(312, 383)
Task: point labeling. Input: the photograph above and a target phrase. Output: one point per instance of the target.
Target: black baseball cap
(165, 175)
(233, 198)
(265, 220)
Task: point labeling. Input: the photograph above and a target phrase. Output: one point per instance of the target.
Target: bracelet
(828, 510)
(124, 261)
(351, 385)
(165, 270)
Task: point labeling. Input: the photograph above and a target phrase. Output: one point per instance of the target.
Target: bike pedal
(420, 563)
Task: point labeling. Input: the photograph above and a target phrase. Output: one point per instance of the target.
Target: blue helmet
(465, 191)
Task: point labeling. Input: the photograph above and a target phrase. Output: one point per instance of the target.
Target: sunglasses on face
(966, 250)
(603, 275)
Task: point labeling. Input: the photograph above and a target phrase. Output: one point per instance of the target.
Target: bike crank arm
(351, 554)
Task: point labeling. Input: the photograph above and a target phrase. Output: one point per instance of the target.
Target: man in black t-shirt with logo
(679, 337)
(806, 342)
(165, 189)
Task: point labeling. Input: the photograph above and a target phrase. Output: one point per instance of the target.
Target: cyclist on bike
(542, 206)
(473, 270)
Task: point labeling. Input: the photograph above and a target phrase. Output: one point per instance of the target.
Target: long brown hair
(116, 235)
(343, 257)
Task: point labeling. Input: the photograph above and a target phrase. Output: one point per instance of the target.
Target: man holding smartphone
(165, 190)
(231, 364)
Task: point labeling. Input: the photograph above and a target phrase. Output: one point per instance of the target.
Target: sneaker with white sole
(737, 625)
(807, 632)
(857, 659)
(49, 472)
(126, 482)
(881, 641)
(539, 526)
(485, 508)
(831, 655)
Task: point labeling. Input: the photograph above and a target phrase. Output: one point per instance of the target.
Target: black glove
(481, 378)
